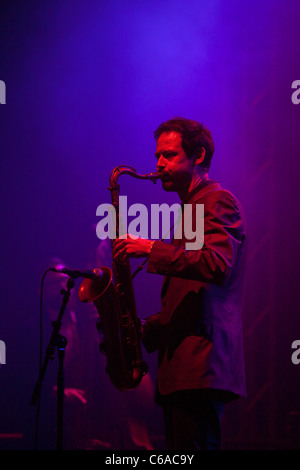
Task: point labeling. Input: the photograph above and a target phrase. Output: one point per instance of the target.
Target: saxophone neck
(128, 170)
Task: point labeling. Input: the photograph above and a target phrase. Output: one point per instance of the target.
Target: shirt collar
(197, 189)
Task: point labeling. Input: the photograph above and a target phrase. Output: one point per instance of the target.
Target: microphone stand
(56, 341)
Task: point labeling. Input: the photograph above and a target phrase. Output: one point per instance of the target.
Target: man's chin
(168, 186)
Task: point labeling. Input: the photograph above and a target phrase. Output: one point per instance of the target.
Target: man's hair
(194, 136)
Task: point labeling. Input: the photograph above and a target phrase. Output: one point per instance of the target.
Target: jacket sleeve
(224, 232)
(151, 330)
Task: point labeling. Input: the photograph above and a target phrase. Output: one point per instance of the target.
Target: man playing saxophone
(198, 333)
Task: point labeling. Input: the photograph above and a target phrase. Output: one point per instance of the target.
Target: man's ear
(200, 157)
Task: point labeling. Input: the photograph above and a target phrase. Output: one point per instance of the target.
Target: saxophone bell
(92, 289)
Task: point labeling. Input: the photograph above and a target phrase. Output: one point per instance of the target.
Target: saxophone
(113, 295)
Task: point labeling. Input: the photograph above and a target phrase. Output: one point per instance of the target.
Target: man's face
(175, 167)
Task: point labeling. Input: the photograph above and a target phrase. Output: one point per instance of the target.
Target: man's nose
(160, 163)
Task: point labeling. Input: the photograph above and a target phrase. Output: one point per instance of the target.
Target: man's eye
(169, 154)
(166, 155)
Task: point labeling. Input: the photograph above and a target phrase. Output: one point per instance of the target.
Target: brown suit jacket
(198, 332)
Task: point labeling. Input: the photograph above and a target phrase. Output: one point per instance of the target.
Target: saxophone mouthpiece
(154, 177)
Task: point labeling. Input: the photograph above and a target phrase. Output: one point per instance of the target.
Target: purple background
(87, 83)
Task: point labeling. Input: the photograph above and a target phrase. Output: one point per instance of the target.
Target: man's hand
(132, 246)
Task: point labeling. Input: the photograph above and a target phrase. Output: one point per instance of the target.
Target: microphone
(75, 273)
